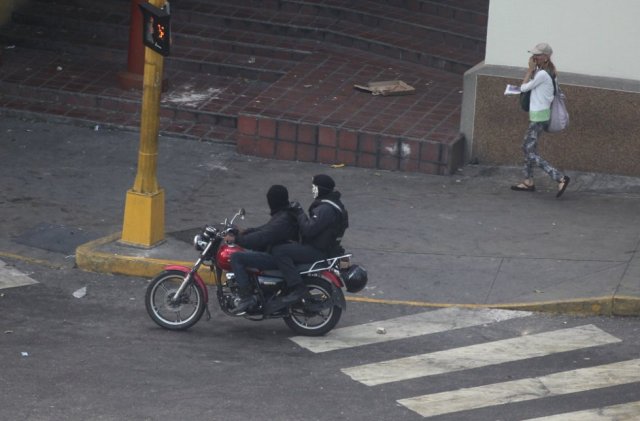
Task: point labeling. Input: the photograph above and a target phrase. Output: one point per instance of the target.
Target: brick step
(390, 18)
(190, 60)
(112, 29)
(205, 18)
(475, 8)
(395, 18)
(440, 48)
(33, 36)
(95, 111)
(442, 54)
(275, 138)
(71, 80)
(321, 90)
(470, 11)
(192, 53)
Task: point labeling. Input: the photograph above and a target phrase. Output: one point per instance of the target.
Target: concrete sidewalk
(464, 240)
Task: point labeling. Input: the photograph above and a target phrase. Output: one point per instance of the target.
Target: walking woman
(539, 80)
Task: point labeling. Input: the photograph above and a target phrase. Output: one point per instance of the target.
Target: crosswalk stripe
(480, 355)
(623, 412)
(556, 384)
(405, 327)
(11, 277)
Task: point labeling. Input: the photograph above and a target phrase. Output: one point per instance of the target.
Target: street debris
(387, 88)
(381, 331)
(80, 293)
(188, 96)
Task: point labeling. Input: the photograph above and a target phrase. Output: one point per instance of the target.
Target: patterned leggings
(531, 156)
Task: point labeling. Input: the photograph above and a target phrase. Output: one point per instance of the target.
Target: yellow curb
(626, 305)
(89, 258)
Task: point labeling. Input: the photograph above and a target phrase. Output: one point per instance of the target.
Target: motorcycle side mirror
(240, 214)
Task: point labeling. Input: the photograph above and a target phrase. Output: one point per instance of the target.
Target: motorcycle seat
(277, 274)
(317, 266)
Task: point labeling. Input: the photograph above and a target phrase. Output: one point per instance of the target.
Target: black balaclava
(278, 198)
(324, 183)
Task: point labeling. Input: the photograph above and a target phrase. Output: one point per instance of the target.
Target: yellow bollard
(143, 224)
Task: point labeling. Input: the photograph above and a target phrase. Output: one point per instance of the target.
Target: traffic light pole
(143, 224)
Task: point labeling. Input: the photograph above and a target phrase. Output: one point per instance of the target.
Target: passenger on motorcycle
(320, 232)
(281, 228)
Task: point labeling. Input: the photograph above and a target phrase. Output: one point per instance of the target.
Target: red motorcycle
(177, 297)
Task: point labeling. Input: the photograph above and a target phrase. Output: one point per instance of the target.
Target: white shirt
(541, 87)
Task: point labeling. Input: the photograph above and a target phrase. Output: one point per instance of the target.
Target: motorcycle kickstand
(206, 308)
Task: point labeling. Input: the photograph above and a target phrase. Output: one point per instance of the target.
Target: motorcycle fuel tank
(223, 257)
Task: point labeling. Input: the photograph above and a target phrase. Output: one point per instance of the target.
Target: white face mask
(314, 190)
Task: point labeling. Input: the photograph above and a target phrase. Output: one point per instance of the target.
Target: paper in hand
(512, 90)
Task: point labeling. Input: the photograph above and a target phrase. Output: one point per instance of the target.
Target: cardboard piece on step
(387, 88)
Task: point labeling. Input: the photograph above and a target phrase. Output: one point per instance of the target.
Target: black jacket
(281, 228)
(324, 227)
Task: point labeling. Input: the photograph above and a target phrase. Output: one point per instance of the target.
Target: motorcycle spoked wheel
(314, 323)
(170, 315)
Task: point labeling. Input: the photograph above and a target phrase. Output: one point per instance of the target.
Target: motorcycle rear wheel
(314, 323)
(170, 314)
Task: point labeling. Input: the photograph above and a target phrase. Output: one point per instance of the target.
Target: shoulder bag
(559, 114)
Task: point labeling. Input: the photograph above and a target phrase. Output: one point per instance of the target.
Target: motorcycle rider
(321, 233)
(281, 228)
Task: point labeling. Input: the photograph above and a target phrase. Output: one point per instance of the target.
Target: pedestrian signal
(156, 28)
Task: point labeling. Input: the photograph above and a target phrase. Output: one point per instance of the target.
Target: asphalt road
(100, 357)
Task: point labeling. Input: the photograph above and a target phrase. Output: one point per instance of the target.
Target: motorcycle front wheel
(312, 318)
(169, 313)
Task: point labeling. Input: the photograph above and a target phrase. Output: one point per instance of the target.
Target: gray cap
(542, 48)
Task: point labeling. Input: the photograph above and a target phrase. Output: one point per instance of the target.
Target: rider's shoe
(241, 304)
(294, 295)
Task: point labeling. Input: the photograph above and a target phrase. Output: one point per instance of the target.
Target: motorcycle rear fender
(333, 278)
(197, 277)
(336, 286)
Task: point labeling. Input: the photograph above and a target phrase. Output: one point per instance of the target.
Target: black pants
(249, 259)
(287, 256)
